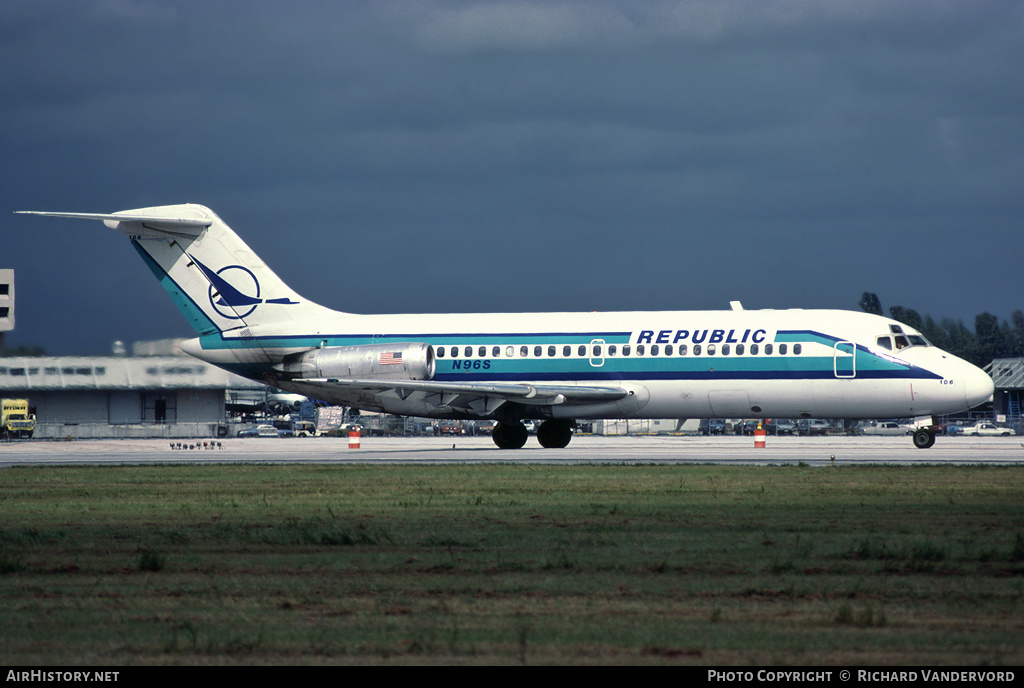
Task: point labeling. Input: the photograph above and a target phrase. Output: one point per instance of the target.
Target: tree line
(990, 339)
(24, 350)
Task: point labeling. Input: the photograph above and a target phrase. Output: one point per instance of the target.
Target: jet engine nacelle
(373, 361)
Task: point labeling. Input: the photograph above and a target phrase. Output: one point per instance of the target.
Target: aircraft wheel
(555, 434)
(923, 439)
(509, 435)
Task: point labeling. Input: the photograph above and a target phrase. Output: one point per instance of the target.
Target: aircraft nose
(978, 386)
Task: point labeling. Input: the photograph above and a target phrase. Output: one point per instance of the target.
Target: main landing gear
(509, 435)
(552, 434)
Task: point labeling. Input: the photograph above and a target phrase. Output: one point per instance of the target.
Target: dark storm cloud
(461, 156)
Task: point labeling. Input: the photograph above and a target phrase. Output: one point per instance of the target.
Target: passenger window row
(613, 350)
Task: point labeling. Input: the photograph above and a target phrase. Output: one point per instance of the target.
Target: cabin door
(845, 360)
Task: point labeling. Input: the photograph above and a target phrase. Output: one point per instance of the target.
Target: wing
(472, 398)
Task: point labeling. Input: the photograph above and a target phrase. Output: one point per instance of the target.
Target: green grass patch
(511, 564)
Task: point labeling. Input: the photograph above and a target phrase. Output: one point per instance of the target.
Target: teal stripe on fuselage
(668, 368)
(805, 336)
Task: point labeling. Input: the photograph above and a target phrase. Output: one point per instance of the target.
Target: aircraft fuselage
(678, 364)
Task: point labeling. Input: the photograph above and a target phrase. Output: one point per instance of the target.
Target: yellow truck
(15, 420)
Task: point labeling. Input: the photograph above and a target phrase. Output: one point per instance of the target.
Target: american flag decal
(391, 358)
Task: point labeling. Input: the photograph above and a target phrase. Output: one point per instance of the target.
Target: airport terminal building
(153, 393)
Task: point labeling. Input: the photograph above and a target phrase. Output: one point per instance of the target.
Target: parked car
(484, 427)
(450, 427)
(815, 427)
(886, 427)
(259, 431)
(979, 429)
(712, 426)
(749, 427)
(785, 427)
(344, 430)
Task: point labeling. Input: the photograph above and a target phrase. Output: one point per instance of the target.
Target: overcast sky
(436, 156)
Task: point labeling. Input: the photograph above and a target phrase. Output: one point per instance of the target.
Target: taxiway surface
(583, 449)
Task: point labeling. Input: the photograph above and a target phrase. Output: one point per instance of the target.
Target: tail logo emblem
(235, 291)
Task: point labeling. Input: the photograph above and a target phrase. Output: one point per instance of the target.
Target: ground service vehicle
(15, 419)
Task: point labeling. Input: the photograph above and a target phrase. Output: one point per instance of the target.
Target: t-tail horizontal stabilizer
(160, 223)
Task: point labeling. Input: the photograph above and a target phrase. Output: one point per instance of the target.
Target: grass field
(512, 564)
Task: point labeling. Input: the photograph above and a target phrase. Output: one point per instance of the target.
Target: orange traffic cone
(759, 436)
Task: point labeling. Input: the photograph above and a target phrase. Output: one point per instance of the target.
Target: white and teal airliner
(550, 367)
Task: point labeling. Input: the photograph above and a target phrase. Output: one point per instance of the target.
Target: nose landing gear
(924, 438)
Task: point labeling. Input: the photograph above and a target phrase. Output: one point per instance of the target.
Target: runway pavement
(583, 449)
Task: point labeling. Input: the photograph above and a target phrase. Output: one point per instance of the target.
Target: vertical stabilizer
(212, 275)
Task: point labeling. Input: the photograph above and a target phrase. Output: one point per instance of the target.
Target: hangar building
(1008, 400)
(153, 393)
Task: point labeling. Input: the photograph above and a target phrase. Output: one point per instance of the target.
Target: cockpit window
(900, 341)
